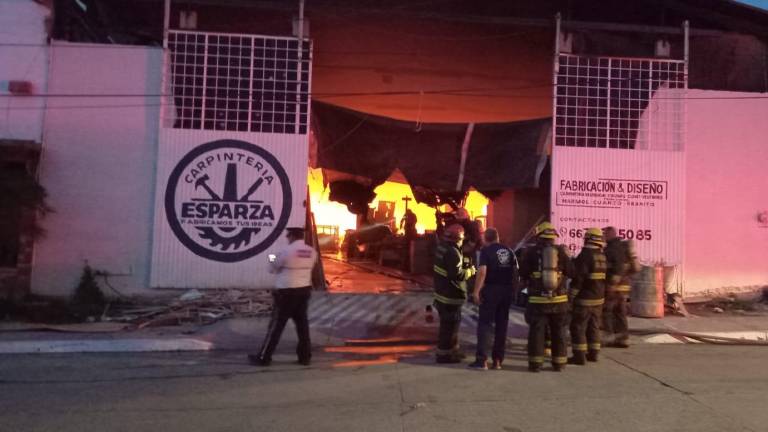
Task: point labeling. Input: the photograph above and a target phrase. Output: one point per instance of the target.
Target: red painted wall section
(516, 211)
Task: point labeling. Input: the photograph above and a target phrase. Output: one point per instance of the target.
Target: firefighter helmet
(594, 236)
(454, 233)
(546, 230)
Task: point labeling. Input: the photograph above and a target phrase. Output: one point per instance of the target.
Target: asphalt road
(384, 388)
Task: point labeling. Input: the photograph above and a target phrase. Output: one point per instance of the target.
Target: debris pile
(734, 305)
(674, 305)
(192, 307)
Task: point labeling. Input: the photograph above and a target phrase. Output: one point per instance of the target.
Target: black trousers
(615, 315)
(585, 328)
(494, 315)
(539, 321)
(289, 303)
(448, 335)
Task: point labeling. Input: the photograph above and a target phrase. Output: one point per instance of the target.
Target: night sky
(759, 3)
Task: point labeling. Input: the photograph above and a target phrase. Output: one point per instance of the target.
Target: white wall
(23, 57)
(727, 186)
(98, 166)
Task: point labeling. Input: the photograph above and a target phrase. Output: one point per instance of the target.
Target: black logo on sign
(228, 200)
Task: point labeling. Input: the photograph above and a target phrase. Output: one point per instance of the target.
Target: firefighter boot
(447, 358)
(534, 367)
(577, 358)
(592, 355)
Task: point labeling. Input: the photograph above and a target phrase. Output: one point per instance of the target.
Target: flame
(335, 214)
(328, 212)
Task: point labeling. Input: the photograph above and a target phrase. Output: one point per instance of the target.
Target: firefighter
(587, 294)
(451, 271)
(622, 263)
(545, 266)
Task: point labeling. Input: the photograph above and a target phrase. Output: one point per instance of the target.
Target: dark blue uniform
(495, 299)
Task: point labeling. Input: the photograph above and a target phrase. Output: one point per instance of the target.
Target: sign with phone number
(573, 237)
(640, 193)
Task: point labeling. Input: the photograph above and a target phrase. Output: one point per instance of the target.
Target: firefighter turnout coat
(451, 271)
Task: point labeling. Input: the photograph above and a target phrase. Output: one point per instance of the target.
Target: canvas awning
(499, 156)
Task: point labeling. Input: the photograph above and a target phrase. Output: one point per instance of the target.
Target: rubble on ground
(192, 307)
(674, 305)
(733, 304)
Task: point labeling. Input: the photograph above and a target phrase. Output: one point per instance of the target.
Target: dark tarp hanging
(500, 155)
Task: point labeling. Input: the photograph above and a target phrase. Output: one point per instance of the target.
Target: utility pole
(166, 22)
(299, 63)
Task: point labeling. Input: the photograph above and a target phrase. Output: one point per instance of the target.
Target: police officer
(494, 286)
(622, 263)
(545, 266)
(293, 286)
(587, 294)
(451, 270)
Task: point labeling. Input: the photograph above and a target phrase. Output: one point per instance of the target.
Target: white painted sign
(639, 192)
(223, 202)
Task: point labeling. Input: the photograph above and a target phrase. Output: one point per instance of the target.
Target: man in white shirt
(293, 286)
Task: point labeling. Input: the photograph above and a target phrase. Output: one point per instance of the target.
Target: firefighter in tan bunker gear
(545, 266)
(622, 263)
(587, 297)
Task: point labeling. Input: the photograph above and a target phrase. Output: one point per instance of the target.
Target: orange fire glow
(334, 214)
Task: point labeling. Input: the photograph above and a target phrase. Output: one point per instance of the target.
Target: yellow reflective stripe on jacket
(579, 347)
(448, 300)
(594, 346)
(439, 270)
(597, 276)
(560, 360)
(547, 300)
(590, 302)
(536, 359)
(536, 275)
(620, 288)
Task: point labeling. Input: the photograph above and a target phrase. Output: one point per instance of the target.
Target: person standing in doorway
(494, 287)
(293, 287)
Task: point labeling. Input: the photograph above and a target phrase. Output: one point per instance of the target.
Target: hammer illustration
(203, 181)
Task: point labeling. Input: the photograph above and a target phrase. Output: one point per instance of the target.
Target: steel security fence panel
(232, 82)
(604, 102)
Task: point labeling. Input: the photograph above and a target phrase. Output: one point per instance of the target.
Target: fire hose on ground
(701, 337)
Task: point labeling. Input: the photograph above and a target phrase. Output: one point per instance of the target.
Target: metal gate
(618, 143)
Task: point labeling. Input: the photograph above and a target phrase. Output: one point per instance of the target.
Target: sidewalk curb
(103, 346)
